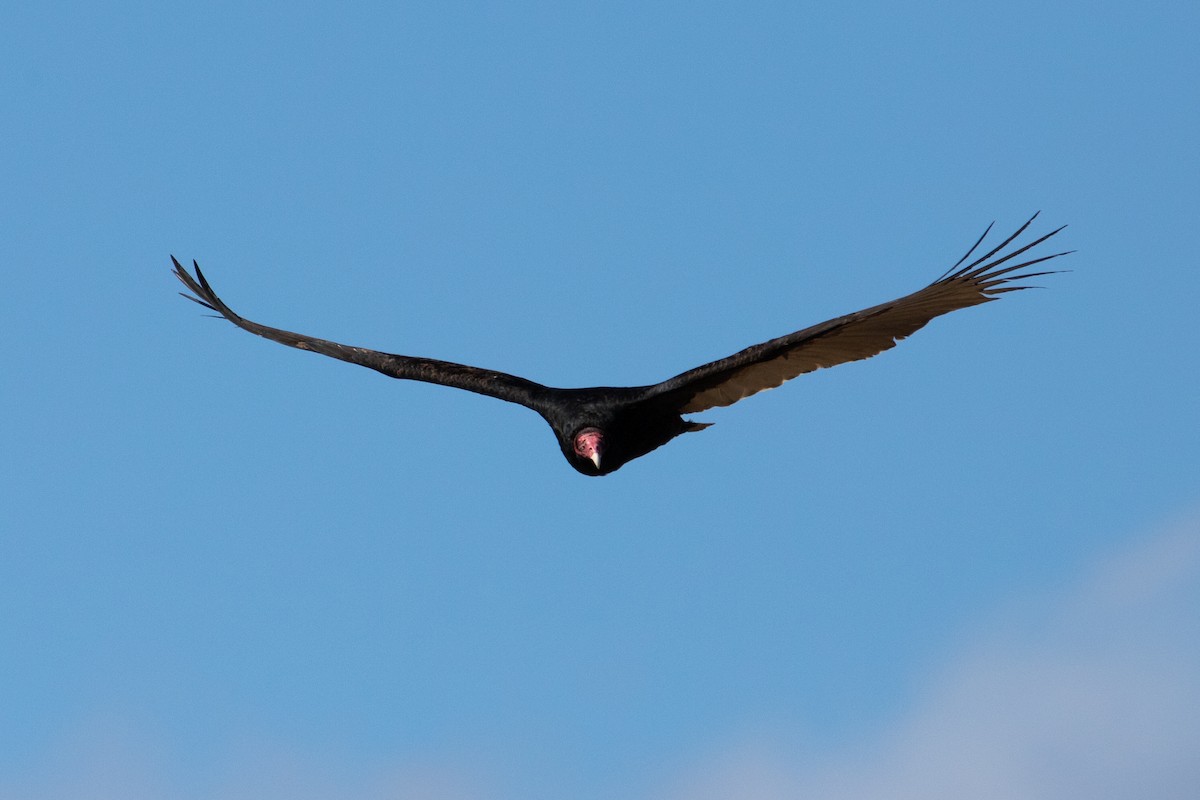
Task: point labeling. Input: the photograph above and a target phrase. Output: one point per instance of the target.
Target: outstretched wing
(473, 379)
(854, 336)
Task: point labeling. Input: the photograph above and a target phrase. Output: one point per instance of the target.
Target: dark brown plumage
(600, 429)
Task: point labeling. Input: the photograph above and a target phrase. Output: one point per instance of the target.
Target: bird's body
(600, 429)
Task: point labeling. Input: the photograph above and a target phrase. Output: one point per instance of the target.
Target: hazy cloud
(1091, 693)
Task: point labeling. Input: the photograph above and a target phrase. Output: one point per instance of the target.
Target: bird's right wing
(459, 376)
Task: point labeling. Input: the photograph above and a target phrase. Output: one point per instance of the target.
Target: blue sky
(230, 569)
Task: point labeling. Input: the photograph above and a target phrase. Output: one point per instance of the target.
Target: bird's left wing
(459, 376)
(852, 337)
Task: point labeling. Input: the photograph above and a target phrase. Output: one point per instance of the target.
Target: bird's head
(588, 444)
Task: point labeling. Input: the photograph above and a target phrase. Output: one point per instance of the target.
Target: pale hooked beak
(589, 444)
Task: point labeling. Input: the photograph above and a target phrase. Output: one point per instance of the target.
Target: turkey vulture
(601, 429)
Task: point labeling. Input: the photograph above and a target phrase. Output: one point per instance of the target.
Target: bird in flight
(601, 429)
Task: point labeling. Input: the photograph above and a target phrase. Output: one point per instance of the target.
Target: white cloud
(1094, 693)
